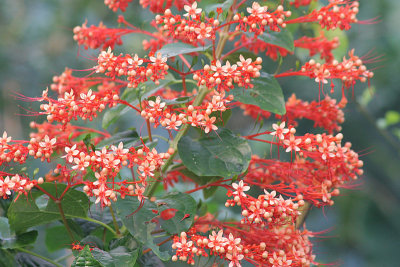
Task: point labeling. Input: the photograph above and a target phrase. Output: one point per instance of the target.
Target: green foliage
(25, 213)
(282, 39)
(9, 239)
(185, 207)
(220, 154)
(175, 49)
(266, 94)
(138, 220)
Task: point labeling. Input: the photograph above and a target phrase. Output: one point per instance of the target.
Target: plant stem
(115, 221)
(39, 256)
(224, 35)
(198, 100)
(58, 202)
(304, 212)
(149, 130)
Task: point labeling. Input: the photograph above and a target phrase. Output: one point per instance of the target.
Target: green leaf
(116, 257)
(24, 212)
(175, 49)
(225, 6)
(138, 221)
(209, 191)
(8, 238)
(126, 137)
(57, 238)
(186, 209)
(223, 154)
(85, 259)
(266, 94)
(175, 101)
(282, 39)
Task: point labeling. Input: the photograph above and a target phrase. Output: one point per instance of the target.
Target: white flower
(192, 11)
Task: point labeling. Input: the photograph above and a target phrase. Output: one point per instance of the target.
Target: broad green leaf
(85, 259)
(266, 94)
(282, 39)
(24, 212)
(8, 238)
(117, 257)
(175, 49)
(126, 137)
(185, 207)
(132, 96)
(223, 154)
(213, 8)
(57, 238)
(175, 101)
(138, 221)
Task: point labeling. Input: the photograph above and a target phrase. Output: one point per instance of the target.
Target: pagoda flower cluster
(106, 163)
(260, 20)
(189, 28)
(321, 167)
(18, 151)
(264, 237)
(223, 77)
(17, 184)
(326, 114)
(72, 106)
(159, 113)
(132, 67)
(349, 70)
(154, 6)
(337, 14)
(94, 37)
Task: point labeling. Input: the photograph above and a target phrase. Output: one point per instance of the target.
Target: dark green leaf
(223, 154)
(8, 238)
(282, 39)
(57, 238)
(184, 216)
(85, 259)
(126, 137)
(266, 94)
(175, 101)
(139, 223)
(175, 49)
(24, 213)
(116, 257)
(225, 6)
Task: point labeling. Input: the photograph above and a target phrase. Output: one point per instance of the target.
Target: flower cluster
(223, 77)
(265, 236)
(260, 19)
(98, 36)
(114, 5)
(18, 151)
(158, 112)
(318, 45)
(17, 184)
(132, 67)
(86, 106)
(337, 14)
(107, 163)
(190, 28)
(161, 5)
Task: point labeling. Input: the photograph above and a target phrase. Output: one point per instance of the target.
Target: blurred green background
(364, 225)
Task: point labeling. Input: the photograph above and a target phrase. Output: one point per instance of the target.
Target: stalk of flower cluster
(197, 101)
